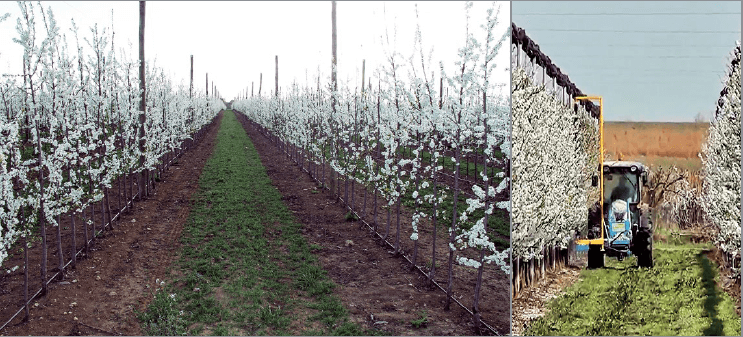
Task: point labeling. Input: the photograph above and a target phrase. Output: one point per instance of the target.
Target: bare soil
(102, 294)
(106, 289)
(377, 287)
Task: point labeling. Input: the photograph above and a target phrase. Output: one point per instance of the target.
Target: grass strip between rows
(678, 297)
(244, 267)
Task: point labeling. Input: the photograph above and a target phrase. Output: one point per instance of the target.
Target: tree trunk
(25, 269)
(74, 243)
(453, 225)
(60, 252)
(432, 272)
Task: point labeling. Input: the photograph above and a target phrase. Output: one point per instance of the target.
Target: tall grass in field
(664, 147)
(661, 144)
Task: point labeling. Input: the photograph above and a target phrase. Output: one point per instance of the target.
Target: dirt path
(378, 290)
(101, 295)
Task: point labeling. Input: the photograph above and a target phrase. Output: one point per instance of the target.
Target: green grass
(678, 296)
(245, 268)
(421, 321)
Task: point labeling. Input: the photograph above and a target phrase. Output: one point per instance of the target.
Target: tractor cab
(619, 224)
(622, 192)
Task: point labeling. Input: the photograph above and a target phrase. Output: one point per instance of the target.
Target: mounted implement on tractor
(619, 225)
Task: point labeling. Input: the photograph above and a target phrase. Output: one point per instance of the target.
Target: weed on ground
(245, 268)
(678, 297)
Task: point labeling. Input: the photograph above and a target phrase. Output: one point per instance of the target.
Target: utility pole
(190, 88)
(277, 76)
(190, 91)
(334, 73)
(142, 105)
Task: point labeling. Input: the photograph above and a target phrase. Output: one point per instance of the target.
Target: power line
(638, 31)
(676, 82)
(636, 56)
(612, 76)
(73, 7)
(634, 72)
(623, 14)
(640, 45)
(592, 68)
(658, 77)
(641, 74)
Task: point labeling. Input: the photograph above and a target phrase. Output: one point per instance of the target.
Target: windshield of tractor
(620, 186)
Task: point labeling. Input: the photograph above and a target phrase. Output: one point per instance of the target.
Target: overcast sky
(236, 41)
(643, 72)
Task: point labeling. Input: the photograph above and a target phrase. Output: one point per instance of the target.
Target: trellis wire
(199, 135)
(283, 147)
(525, 53)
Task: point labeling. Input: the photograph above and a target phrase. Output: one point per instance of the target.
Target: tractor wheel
(644, 242)
(594, 221)
(646, 220)
(595, 257)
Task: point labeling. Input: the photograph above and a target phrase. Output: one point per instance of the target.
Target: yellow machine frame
(599, 241)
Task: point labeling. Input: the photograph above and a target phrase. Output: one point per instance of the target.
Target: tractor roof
(624, 164)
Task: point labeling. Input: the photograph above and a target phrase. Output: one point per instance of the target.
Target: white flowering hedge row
(555, 153)
(364, 135)
(721, 158)
(69, 124)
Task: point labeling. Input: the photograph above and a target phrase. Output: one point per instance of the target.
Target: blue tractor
(620, 225)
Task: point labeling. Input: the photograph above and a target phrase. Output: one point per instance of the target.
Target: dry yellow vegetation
(653, 143)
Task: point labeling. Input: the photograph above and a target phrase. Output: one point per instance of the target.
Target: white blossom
(721, 158)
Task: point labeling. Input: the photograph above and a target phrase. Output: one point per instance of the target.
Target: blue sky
(643, 72)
